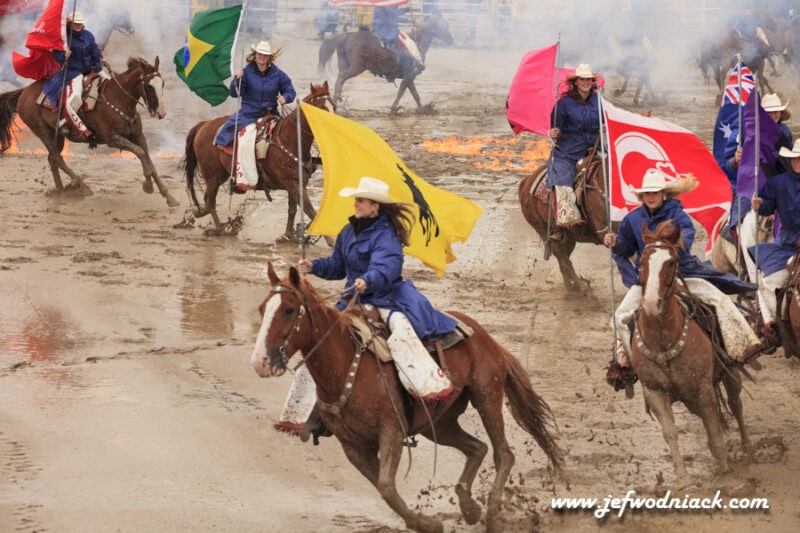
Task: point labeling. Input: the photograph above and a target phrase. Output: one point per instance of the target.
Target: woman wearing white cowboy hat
(778, 195)
(81, 58)
(703, 280)
(369, 254)
(262, 86)
(575, 125)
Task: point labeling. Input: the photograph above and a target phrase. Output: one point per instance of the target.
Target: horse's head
(285, 323)
(320, 96)
(150, 86)
(438, 27)
(659, 265)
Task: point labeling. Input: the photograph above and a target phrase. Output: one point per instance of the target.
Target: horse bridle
(660, 245)
(274, 140)
(143, 79)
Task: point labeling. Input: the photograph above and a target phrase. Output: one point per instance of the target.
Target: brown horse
(535, 200)
(277, 171)
(788, 316)
(114, 121)
(360, 409)
(362, 50)
(674, 358)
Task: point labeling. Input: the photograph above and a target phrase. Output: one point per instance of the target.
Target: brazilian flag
(204, 62)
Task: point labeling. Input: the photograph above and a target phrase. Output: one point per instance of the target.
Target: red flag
(11, 7)
(637, 143)
(47, 35)
(533, 94)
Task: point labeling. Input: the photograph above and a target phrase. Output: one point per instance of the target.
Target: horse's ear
(325, 84)
(647, 235)
(273, 277)
(294, 277)
(155, 63)
(675, 234)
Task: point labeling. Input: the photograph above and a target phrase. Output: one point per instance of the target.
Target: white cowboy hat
(654, 181)
(791, 154)
(76, 18)
(583, 71)
(262, 48)
(370, 188)
(772, 102)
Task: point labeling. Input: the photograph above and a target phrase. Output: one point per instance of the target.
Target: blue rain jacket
(781, 193)
(376, 256)
(85, 58)
(259, 97)
(579, 124)
(630, 242)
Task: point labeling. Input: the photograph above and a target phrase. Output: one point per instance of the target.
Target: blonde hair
(685, 183)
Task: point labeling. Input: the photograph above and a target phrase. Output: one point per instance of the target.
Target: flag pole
(238, 105)
(300, 189)
(550, 192)
(64, 76)
(739, 104)
(607, 181)
(757, 108)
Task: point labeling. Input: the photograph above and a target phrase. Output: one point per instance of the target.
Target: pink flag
(637, 143)
(533, 93)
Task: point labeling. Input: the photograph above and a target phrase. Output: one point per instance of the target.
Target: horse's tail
(530, 411)
(189, 162)
(8, 109)
(326, 50)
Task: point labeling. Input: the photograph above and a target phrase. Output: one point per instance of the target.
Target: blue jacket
(259, 97)
(385, 21)
(781, 193)
(85, 58)
(630, 242)
(579, 124)
(376, 256)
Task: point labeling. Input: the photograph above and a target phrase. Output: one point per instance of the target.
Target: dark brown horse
(114, 121)
(277, 171)
(360, 409)
(535, 200)
(362, 50)
(673, 356)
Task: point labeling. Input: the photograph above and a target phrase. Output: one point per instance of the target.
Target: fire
(23, 136)
(495, 154)
(157, 155)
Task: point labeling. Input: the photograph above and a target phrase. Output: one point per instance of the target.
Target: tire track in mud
(17, 468)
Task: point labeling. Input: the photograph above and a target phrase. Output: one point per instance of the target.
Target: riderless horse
(535, 200)
(113, 120)
(361, 400)
(277, 168)
(673, 356)
(362, 50)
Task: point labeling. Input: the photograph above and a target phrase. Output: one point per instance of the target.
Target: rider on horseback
(575, 125)
(385, 24)
(84, 57)
(262, 86)
(369, 253)
(778, 195)
(702, 279)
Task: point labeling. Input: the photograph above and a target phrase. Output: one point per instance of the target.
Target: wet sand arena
(127, 401)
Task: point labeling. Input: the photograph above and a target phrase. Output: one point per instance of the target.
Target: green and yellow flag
(204, 62)
(351, 150)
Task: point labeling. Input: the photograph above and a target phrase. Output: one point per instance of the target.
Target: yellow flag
(350, 151)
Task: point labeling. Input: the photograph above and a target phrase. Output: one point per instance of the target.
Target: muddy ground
(127, 401)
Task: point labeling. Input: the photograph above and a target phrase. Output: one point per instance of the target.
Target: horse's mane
(667, 235)
(133, 61)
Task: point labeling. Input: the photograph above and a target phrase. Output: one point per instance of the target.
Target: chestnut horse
(114, 121)
(674, 358)
(788, 316)
(360, 409)
(277, 171)
(535, 200)
(362, 50)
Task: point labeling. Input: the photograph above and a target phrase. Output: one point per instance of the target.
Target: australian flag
(726, 128)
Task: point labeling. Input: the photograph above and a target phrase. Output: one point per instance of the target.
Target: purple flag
(768, 135)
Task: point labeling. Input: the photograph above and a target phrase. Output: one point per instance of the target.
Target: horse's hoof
(286, 238)
(147, 186)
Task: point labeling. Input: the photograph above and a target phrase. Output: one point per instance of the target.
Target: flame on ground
(494, 154)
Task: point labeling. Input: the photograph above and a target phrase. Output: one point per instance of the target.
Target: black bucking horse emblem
(427, 220)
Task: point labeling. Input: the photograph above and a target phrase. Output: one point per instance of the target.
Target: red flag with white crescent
(637, 143)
